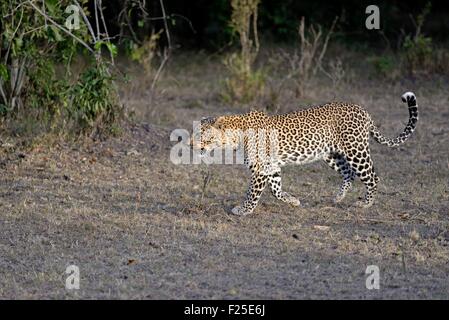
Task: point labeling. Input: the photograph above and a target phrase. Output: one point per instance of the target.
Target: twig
(13, 77)
(167, 52)
(129, 24)
(142, 5)
(185, 18)
(97, 24)
(167, 33)
(89, 26)
(256, 36)
(13, 35)
(12, 12)
(44, 10)
(62, 28)
(105, 28)
(326, 41)
(20, 76)
(206, 180)
(3, 92)
(33, 30)
(387, 41)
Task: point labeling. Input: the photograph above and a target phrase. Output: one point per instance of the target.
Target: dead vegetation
(244, 83)
(307, 59)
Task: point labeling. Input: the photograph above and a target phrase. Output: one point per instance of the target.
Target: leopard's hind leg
(338, 162)
(362, 165)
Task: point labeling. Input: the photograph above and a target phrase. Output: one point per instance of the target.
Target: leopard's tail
(410, 98)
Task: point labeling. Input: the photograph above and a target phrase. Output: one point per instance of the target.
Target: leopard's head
(214, 133)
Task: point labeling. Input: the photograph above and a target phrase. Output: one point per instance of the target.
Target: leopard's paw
(288, 198)
(240, 211)
(339, 198)
(364, 204)
(293, 201)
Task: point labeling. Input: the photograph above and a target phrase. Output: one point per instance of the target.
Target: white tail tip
(408, 96)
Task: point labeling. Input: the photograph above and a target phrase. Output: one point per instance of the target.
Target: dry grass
(139, 226)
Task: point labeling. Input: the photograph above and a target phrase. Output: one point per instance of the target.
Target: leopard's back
(308, 135)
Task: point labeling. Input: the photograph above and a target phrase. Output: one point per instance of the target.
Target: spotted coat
(337, 133)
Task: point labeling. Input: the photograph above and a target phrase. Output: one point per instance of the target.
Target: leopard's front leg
(275, 183)
(257, 185)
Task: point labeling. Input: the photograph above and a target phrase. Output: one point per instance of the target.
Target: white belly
(303, 158)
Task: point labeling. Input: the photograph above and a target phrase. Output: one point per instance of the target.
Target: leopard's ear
(219, 122)
(207, 120)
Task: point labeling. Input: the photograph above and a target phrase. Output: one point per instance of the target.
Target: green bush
(418, 53)
(92, 101)
(418, 49)
(35, 69)
(29, 49)
(385, 66)
(244, 84)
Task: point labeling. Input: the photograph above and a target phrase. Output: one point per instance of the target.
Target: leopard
(336, 132)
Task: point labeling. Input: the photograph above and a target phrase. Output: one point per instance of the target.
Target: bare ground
(139, 226)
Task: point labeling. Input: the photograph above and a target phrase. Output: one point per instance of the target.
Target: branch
(324, 48)
(167, 33)
(13, 35)
(105, 28)
(186, 19)
(159, 70)
(167, 51)
(62, 28)
(129, 24)
(89, 26)
(20, 77)
(96, 18)
(2, 91)
(13, 11)
(256, 36)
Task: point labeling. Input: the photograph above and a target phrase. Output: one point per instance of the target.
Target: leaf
(109, 45)
(98, 45)
(51, 6)
(414, 235)
(4, 72)
(112, 48)
(130, 261)
(321, 228)
(18, 42)
(57, 34)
